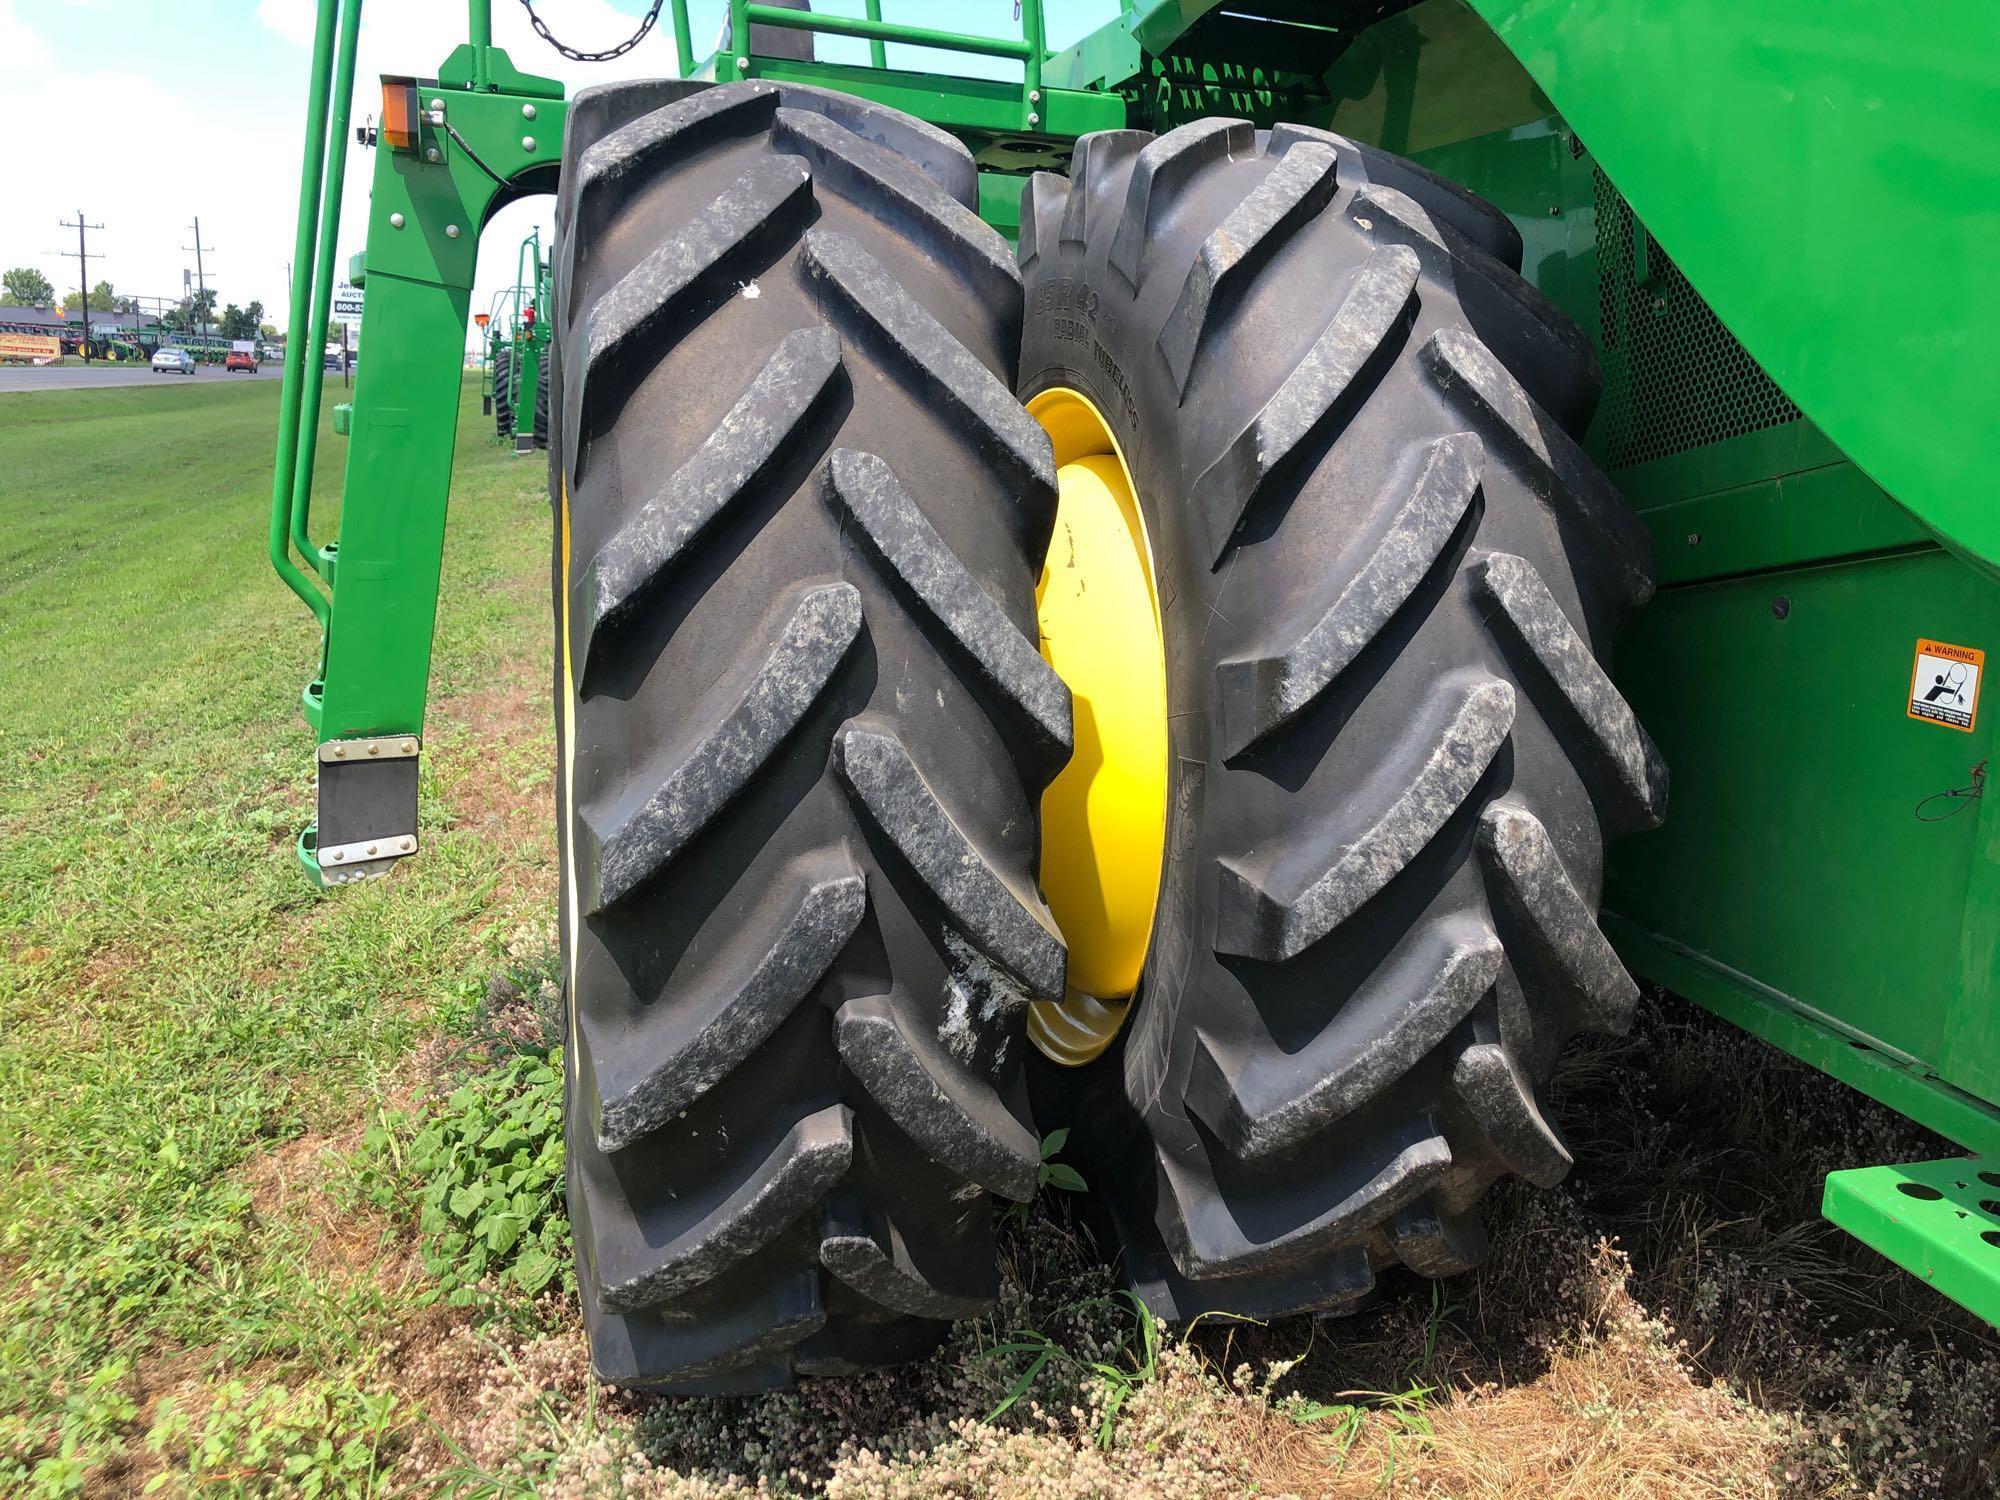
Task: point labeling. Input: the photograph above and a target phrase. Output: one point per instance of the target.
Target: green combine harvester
(1087, 600)
(514, 374)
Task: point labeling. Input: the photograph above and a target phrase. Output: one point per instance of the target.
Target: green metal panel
(1816, 1039)
(1802, 516)
(1829, 177)
(1000, 202)
(1807, 843)
(392, 541)
(1939, 1220)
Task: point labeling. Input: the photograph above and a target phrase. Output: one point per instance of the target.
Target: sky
(144, 114)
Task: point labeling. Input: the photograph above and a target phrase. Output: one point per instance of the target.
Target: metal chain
(541, 28)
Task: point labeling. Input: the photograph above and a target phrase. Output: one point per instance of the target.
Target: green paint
(1794, 848)
(1813, 1037)
(1831, 182)
(1938, 1220)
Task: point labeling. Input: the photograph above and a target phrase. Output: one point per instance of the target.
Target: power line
(83, 259)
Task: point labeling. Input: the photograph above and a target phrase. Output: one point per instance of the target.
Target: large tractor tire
(1387, 579)
(503, 392)
(542, 398)
(806, 731)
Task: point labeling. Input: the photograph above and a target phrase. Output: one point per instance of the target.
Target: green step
(1938, 1220)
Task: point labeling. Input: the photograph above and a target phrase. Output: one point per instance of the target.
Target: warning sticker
(1944, 685)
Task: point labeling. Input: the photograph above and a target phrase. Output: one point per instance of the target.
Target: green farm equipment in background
(514, 366)
(1332, 335)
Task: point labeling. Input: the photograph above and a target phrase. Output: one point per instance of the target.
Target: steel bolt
(451, 231)
(1033, 118)
(437, 104)
(742, 64)
(371, 848)
(340, 752)
(1034, 96)
(430, 153)
(1694, 538)
(339, 855)
(1780, 607)
(395, 221)
(527, 143)
(408, 845)
(374, 749)
(527, 111)
(409, 747)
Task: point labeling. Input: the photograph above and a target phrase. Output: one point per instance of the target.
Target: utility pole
(201, 282)
(83, 259)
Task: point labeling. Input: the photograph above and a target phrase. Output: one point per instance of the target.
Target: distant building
(51, 320)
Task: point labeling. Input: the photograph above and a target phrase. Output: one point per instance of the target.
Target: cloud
(141, 155)
(22, 51)
(291, 19)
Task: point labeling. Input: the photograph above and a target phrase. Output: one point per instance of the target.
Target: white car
(177, 361)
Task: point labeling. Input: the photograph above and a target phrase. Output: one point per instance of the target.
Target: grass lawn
(279, 1170)
(176, 1002)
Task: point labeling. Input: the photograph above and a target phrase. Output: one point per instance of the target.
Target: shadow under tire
(807, 731)
(1388, 579)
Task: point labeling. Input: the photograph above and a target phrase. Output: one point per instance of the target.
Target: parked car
(240, 359)
(172, 361)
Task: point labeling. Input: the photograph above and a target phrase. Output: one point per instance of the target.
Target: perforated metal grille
(1674, 377)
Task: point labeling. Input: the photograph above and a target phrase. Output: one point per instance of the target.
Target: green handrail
(878, 50)
(683, 38)
(310, 172)
(323, 271)
(1029, 48)
(887, 31)
(530, 253)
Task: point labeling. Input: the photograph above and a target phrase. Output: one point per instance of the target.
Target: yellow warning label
(1944, 684)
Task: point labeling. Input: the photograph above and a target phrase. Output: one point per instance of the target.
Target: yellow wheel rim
(1104, 819)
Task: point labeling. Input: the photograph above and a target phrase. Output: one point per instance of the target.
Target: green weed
(1050, 1174)
(491, 1167)
(319, 1440)
(1117, 1381)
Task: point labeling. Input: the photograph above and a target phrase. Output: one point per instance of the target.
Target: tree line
(24, 286)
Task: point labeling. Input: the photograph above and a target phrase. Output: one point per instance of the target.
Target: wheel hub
(1104, 818)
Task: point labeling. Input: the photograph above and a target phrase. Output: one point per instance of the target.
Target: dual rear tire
(801, 514)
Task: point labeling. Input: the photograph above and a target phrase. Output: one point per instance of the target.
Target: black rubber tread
(1388, 580)
(1471, 216)
(503, 392)
(811, 727)
(1404, 203)
(542, 401)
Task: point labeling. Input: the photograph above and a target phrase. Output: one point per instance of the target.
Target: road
(84, 377)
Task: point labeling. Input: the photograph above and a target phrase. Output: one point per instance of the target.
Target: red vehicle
(240, 359)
